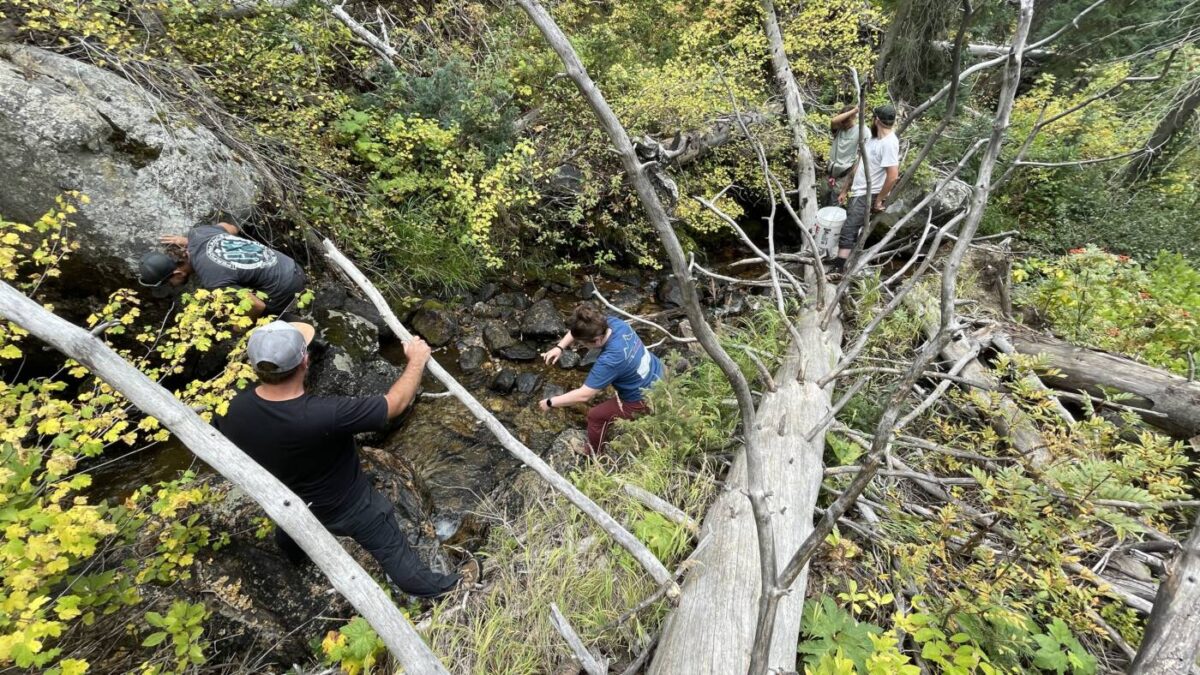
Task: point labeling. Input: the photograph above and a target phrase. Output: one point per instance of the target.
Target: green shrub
(1150, 312)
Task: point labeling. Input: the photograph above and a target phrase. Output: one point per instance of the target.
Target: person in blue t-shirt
(624, 362)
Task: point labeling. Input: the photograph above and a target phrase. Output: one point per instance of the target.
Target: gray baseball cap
(279, 343)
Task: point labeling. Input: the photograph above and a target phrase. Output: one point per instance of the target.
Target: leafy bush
(66, 562)
(1149, 312)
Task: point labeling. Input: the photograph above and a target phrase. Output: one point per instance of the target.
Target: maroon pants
(601, 417)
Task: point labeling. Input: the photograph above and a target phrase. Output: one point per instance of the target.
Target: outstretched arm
(551, 355)
(404, 390)
(573, 397)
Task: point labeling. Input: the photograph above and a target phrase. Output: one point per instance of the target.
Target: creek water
(456, 462)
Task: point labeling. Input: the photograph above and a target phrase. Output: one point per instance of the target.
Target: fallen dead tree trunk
(280, 503)
(1008, 419)
(713, 628)
(1175, 400)
(1172, 639)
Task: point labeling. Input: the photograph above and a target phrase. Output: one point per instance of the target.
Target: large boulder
(952, 199)
(146, 169)
(436, 324)
(542, 320)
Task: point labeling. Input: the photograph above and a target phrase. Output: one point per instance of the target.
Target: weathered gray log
(518, 449)
(713, 628)
(1093, 371)
(1171, 642)
(1008, 419)
(591, 665)
(281, 504)
(661, 506)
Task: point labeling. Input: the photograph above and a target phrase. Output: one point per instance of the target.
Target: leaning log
(1009, 421)
(1171, 642)
(1174, 400)
(516, 448)
(713, 628)
(281, 504)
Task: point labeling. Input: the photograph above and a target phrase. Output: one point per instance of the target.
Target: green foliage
(354, 648)
(1060, 652)
(183, 624)
(827, 628)
(65, 563)
(1150, 312)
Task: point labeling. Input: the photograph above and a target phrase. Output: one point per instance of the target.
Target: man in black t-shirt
(308, 443)
(221, 259)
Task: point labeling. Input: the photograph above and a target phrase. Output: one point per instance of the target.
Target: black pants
(370, 521)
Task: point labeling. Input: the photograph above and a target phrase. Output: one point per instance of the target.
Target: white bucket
(829, 226)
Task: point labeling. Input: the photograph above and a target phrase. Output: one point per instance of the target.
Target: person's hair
(177, 253)
(849, 122)
(268, 374)
(587, 322)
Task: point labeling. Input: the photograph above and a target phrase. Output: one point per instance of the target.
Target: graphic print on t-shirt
(236, 253)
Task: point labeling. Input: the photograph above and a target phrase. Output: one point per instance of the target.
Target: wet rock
(552, 390)
(589, 358)
(353, 333)
(563, 450)
(527, 383)
(539, 294)
(627, 299)
(587, 291)
(542, 320)
(472, 358)
(485, 311)
(518, 351)
(488, 291)
(338, 373)
(514, 299)
(503, 381)
(437, 325)
(569, 359)
(148, 170)
(670, 292)
(497, 337)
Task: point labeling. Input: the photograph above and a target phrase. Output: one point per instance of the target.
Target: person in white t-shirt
(882, 152)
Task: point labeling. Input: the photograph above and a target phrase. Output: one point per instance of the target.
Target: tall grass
(548, 552)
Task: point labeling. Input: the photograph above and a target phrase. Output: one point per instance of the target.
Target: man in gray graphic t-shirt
(221, 259)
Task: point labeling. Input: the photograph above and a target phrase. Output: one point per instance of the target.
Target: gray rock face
(503, 382)
(146, 169)
(569, 359)
(518, 351)
(437, 326)
(527, 383)
(950, 200)
(670, 293)
(496, 336)
(514, 299)
(471, 358)
(542, 320)
(351, 332)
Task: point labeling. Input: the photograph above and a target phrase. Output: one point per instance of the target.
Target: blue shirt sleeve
(602, 374)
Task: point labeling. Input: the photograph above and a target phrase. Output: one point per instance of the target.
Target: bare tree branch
(280, 503)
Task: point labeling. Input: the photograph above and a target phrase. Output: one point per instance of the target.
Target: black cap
(155, 268)
(886, 114)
